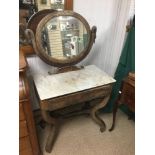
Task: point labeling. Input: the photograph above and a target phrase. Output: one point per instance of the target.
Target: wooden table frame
(101, 93)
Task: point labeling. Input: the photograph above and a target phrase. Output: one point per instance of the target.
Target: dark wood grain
(21, 112)
(24, 143)
(26, 152)
(27, 132)
(68, 5)
(23, 129)
(26, 50)
(22, 61)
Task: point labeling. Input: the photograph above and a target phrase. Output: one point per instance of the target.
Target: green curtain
(125, 65)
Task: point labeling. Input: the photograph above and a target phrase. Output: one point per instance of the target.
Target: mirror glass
(64, 37)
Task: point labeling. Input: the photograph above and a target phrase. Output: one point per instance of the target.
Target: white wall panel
(110, 17)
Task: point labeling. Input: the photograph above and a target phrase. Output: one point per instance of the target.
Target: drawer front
(26, 152)
(75, 98)
(23, 131)
(24, 143)
(21, 112)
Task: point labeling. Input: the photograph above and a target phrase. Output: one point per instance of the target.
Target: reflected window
(64, 37)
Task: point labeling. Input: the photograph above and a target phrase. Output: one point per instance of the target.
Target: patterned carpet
(81, 136)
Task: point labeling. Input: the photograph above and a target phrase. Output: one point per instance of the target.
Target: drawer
(75, 98)
(23, 131)
(21, 112)
(26, 152)
(24, 143)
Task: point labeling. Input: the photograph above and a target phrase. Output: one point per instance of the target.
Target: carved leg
(54, 129)
(94, 115)
(114, 115)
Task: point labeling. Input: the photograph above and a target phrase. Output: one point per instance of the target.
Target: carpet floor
(81, 136)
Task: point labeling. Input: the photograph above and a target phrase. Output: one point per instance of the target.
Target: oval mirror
(63, 38)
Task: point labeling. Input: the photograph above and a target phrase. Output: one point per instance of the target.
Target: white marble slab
(50, 86)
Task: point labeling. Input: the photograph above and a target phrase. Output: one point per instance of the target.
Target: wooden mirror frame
(37, 43)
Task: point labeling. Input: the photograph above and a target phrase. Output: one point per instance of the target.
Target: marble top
(50, 86)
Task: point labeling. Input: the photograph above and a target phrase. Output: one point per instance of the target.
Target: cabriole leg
(53, 132)
(94, 115)
(114, 115)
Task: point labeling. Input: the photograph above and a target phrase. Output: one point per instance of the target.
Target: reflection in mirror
(50, 4)
(64, 37)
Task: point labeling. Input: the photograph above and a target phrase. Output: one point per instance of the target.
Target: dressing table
(62, 39)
